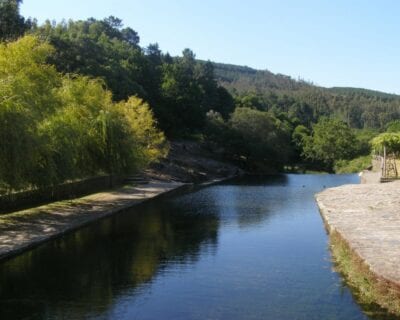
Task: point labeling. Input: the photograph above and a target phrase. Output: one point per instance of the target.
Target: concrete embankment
(188, 162)
(366, 218)
(25, 229)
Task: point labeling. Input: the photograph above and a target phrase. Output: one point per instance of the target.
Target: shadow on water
(100, 262)
(258, 180)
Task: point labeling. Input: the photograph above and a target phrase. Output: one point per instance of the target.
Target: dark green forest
(91, 83)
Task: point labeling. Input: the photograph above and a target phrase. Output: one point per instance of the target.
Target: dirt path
(22, 230)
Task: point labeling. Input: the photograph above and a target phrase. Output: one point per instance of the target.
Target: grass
(353, 166)
(16, 217)
(378, 297)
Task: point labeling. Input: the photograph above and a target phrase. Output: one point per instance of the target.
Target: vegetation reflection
(118, 254)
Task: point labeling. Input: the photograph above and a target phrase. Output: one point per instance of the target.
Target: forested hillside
(241, 79)
(86, 97)
(365, 92)
(360, 108)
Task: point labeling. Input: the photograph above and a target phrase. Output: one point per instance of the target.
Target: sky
(331, 43)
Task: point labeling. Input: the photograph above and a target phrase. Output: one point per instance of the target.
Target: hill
(365, 92)
(243, 79)
(358, 107)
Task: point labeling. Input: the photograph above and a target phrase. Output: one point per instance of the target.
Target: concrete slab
(367, 216)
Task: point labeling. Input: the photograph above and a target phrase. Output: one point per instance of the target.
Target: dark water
(247, 249)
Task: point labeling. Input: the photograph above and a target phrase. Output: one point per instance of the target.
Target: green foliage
(244, 79)
(151, 144)
(263, 90)
(256, 139)
(180, 90)
(183, 96)
(188, 98)
(55, 128)
(353, 166)
(26, 97)
(364, 137)
(189, 91)
(393, 126)
(331, 140)
(300, 135)
(389, 140)
(99, 48)
(12, 24)
(253, 101)
(365, 92)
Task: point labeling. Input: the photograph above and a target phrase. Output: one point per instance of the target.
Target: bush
(352, 166)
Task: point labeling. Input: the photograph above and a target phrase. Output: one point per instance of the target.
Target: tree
(183, 96)
(180, 90)
(55, 128)
(388, 140)
(99, 48)
(26, 98)
(12, 24)
(302, 112)
(259, 138)
(331, 140)
(393, 126)
(150, 143)
(225, 104)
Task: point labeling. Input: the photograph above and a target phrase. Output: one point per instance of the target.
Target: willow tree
(55, 127)
(26, 98)
(150, 142)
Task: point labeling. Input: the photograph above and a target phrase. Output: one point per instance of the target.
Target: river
(250, 248)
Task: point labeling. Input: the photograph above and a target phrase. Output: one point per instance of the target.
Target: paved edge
(20, 248)
(174, 187)
(332, 229)
(378, 277)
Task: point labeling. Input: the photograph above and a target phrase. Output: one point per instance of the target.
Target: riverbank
(192, 162)
(187, 163)
(364, 224)
(26, 229)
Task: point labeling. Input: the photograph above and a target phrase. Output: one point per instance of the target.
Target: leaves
(55, 128)
(389, 140)
(331, 140)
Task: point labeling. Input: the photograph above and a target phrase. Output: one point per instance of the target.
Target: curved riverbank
(364, 224)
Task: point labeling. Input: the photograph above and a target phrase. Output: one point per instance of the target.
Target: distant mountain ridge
(241, 79)
(367, 92)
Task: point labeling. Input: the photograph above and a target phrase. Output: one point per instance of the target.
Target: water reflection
(99, 263)
(252, 248)
(373, 310)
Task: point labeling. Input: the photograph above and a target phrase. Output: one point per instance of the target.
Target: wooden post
(384, 162)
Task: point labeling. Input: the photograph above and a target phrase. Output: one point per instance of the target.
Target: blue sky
(332, 43)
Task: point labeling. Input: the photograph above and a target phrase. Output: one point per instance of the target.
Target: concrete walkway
(24, 229)
(368, 218)
(368, 177)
